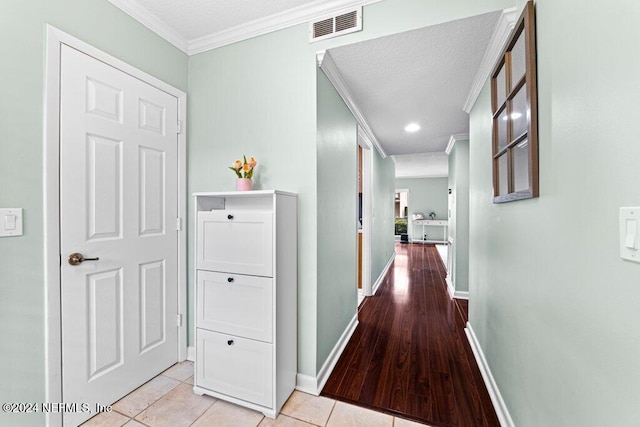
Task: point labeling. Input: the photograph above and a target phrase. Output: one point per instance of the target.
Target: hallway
(409, 355)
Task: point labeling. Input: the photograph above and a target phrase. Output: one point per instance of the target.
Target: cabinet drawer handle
(230, 279)
(229, 216)
(230, 342)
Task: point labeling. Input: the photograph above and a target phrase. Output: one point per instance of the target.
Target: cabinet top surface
(253, 193)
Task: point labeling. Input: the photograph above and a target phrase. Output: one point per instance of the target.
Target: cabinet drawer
(235, 304)
(235, 242)
(235, 366)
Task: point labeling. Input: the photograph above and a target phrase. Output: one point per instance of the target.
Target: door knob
(77, 258)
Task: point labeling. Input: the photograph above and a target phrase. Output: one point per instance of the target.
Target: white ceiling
(423, 165)
(422, 76)
(198, 18)
(195, 26)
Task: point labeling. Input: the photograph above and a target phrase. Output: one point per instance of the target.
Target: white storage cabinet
(246, 297)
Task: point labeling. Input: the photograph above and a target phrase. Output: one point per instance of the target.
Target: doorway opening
(401, 213)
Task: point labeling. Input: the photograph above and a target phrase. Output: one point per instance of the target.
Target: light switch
(629, 233)
(10, 222)
(631, 240)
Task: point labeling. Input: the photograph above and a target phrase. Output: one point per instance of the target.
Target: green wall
(337, 144)
(554, 306)
(22, 48)
(459, 215)
(382, 225)
(426, 195)
(258, 97)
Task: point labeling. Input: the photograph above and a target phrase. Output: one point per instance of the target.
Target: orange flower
(244, 168)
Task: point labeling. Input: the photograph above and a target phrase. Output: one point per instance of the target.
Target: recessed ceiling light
(412, 127)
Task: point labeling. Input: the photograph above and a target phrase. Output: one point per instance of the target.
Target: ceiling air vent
(337, 25)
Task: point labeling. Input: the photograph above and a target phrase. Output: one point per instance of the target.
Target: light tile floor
(169, 400)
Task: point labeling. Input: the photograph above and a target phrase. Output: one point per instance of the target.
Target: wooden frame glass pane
(521, 181)
(503, 182)
(514, 106)
(519, 113)
(518, 60)
(501, 125)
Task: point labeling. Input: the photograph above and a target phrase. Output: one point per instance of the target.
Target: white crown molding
(501, 33)
(142, 15)
(331, 70)
(455, 138)
(288, 18)
(298, 15)
(363, 139)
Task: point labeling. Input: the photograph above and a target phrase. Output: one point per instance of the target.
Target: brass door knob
(77, 258)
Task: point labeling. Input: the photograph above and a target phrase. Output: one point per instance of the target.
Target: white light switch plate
(10, 222)
(630, 234)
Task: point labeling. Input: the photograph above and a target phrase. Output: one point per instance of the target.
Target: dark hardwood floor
(409, 355)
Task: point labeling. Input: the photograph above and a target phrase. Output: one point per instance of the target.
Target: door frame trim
(51, 180)
(367, 208)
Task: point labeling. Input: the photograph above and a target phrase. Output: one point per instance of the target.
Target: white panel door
(118, 203)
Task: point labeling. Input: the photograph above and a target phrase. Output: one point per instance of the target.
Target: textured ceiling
(193, 19)
(421, 76)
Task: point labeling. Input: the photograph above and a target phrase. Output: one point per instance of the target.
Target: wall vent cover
(337, 25)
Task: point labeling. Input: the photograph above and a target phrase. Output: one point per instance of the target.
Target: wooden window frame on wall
(526, 27)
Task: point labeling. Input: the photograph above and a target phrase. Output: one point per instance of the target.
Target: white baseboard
(382, 275)
(307, 384)
(452, 291)
(494, 393)
(461, 295)
(311, 385)
(191, 353)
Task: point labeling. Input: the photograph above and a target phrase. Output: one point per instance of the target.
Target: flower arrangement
(244, 169)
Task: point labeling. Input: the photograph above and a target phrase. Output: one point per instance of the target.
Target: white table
(429, 223)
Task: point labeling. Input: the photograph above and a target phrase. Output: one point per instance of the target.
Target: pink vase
(243, 184)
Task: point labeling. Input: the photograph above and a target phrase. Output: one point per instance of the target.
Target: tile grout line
(161, 374)
(335, 402)
(205, 411)
(152, 403)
